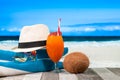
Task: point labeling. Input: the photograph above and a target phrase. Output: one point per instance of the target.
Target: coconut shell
(76, 62)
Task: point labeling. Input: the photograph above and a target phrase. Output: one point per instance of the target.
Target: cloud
(2, 29)
(90, 28)
(110, 28)
(78, 29)
(12, 29)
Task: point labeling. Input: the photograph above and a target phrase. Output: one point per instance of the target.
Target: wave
(84, 42)
(8, 45)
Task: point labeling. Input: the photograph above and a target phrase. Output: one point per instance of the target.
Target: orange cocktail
(55, 47)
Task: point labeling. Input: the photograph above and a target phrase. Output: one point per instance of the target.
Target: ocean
(72, 38)
(69, 40)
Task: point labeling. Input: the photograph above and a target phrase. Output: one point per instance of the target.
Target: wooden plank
(115, 70)
(1, 78)
(49, 76)
(67, 76)
(89, 74)
(35, 76)
(20, 77)
(106, 74)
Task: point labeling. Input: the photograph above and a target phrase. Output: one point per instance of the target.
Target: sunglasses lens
(20, 57)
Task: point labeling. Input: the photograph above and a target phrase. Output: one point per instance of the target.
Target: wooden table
(89, 74)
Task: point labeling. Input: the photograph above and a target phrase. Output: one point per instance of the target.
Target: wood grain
(49, 76)
(115, 70)
(89, 74)
(67, 76)
(106, 74)
(33, 76)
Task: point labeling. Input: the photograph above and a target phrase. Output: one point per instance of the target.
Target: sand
(100, 54)
(7, 47)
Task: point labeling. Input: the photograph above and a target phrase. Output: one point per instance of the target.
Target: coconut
(76, 62)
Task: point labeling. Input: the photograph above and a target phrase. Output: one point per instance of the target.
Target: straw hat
(32, 38)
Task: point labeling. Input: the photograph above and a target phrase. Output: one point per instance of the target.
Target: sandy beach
(8, 44)
(100, 54)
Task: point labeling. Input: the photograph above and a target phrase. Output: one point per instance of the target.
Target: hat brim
(26, 49)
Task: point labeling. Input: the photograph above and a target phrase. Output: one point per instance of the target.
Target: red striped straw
(58, 32)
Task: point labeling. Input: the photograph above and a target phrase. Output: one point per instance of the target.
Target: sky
(15, 14)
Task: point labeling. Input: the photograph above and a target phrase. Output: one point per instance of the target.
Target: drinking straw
(58, 32)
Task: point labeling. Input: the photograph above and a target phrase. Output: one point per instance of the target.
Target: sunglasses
(26, 56)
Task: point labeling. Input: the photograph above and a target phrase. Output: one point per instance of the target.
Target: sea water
(70, 40)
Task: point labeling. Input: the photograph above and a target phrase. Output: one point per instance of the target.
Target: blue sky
(14, 14)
